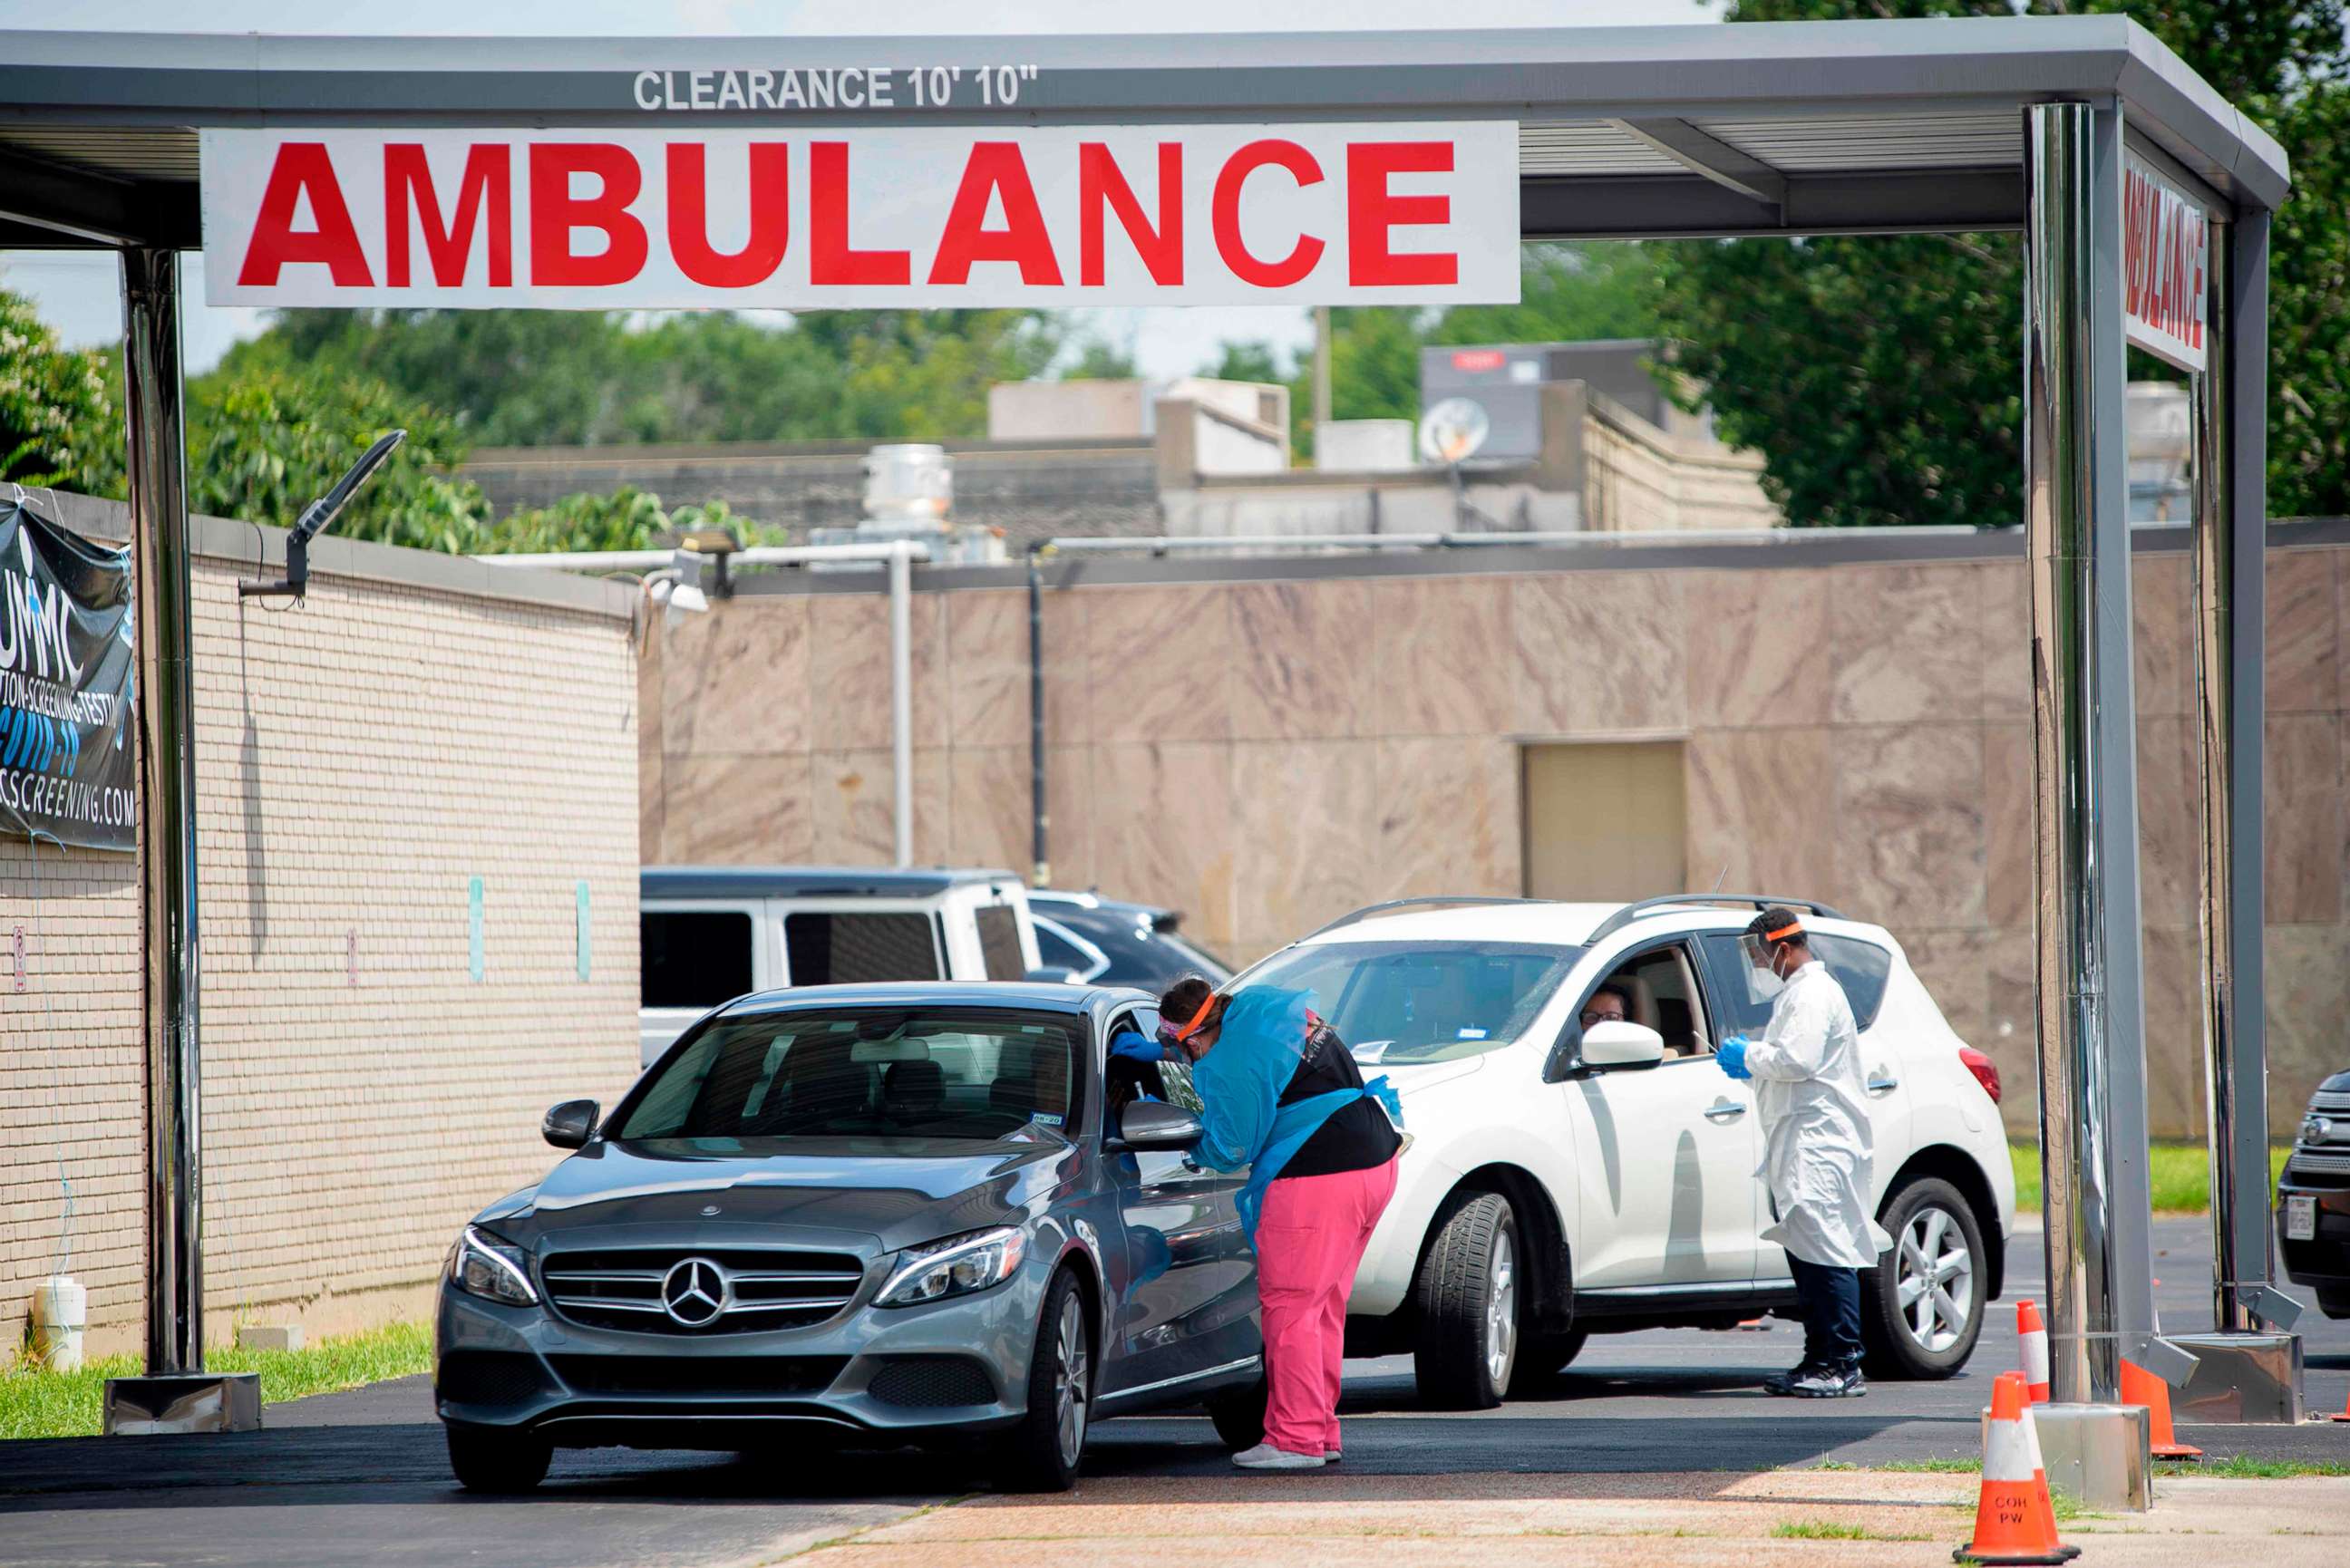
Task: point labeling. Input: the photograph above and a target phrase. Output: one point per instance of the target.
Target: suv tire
(1928, 1217)
(1468, 1301)
(2334, 1302)
(1553, 1353)
(1043, 1452)
(499, 1460)
(1239, 1415)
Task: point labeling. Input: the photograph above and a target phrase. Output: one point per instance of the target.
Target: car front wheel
(1922, 1304)
(497, 1459)
(2334, 1302)
(1044, 1448)
(1469, 1305)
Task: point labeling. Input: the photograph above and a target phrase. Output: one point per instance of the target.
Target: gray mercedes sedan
(859, 1216)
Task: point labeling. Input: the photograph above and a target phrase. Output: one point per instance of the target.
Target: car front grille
(747, 1374)
(761, 1288)
(2320, 1169)
(933, 1383)
(2331, 1102)
(488, 1377)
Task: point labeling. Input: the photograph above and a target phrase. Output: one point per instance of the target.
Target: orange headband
(1794, 931)
(1198, 1019)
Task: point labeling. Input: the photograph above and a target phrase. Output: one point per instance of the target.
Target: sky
(80, 292)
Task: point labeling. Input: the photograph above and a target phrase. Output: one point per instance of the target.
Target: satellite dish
(1452, 431)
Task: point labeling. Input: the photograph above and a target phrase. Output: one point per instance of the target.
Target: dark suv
(2313, 1200)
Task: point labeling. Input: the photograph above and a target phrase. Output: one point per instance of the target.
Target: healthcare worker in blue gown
(1282, 1097)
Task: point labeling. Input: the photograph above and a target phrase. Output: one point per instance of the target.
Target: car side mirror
(571, 1123)
(1621, 1044)
(1153, 1125)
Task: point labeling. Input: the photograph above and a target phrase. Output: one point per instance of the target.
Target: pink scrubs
(1309, 1242)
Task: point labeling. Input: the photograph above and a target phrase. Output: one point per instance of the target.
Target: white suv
(1553, 1191)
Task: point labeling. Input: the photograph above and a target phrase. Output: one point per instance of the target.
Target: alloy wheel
(1500, 1310)
(1936, 1280)
(1070, 1382)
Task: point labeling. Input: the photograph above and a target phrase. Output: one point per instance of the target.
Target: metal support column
(2091, 1008)
(2246, 1374)
(902, 695)
(175, 1395)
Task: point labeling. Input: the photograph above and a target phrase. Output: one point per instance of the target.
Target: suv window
(1660, 991)
(694, 957)
(999, 942)
(839, 948)
(1745, 993)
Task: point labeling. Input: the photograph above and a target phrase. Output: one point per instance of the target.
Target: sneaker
(1784, 1383)
(1332, 1456)
(1830, 1383)
(1265, 1457)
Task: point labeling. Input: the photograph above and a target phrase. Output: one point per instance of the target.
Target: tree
(1245, 362)
(57, 425)
(1100, 360)
(1878, 377)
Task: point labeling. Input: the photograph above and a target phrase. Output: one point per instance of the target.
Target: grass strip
(2178, 1173)
(2244, 1467)
(38, 1403)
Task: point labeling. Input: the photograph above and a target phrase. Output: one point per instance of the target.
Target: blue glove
(1135, 1046)
(1732, 1055)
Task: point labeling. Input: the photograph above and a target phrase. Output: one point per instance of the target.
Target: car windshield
(966, 1074)
(1421, 1000)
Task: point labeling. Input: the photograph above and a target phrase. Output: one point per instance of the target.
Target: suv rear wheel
(1922, 1304)
(1468, 1299)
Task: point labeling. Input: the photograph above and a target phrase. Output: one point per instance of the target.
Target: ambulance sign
(2166, 266)
(797, 217)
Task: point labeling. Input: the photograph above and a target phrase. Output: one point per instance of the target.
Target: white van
(712, 933)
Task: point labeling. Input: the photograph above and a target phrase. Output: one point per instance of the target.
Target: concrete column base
(183, 1402)
(2102, 1455)
(2253, 1379)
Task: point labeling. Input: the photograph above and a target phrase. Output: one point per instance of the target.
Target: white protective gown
(1818, 1150)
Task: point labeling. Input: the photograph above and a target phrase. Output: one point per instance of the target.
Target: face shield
(1761, 948)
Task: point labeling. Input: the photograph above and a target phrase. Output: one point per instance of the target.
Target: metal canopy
(1814, 127)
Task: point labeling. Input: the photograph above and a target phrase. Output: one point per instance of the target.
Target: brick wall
(359, 758)
(1265, 754)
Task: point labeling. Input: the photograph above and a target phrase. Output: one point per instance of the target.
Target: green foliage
(541, 378)
(2179, 1174)
(37, 1403)
(1245, 362)
(1878, 377)
(58, 424)
(1100, 360)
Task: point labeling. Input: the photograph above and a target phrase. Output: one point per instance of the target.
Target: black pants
(1830, 1298)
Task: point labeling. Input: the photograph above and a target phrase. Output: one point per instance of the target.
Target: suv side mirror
(1153, 1125)
(571, 1123)
(1620, 1044)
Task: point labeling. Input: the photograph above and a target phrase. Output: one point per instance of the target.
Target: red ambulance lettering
(1224, 215)
(831, 259)
(689, 216)
(1100, 182)
(487, 184)
(555, 215)
(1372, 211)
(303, 169)
(995, 169)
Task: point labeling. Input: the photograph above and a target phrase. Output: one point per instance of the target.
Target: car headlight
(954, 1267)
(2315, 1129)
(492, 1270)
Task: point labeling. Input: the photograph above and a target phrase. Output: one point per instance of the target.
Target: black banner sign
(67, 769)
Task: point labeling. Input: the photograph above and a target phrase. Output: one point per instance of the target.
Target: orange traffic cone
(2015, 1521)
(2346, 1411)
(2140, 1386)
(2034, 1335)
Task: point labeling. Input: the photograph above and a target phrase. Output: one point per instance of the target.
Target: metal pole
(1041, 823)
(1321, 377)
(167, 795)
(2231, 585)
(901, 693)
(2091, 1035)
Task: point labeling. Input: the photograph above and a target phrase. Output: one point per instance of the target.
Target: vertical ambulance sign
(794, 216)
(2166, 266)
